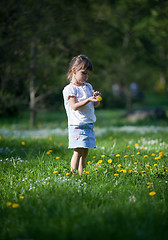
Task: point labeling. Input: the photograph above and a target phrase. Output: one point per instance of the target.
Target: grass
(40, 200)
(123, 193)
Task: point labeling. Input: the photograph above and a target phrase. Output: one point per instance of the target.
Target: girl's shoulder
(69, 87)
(89, 86)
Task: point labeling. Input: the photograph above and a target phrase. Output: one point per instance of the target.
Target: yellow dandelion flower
(94, 156)
(152, 193)
(50, 138)
(141, 148)
(127, 146)
(110, 138)
(67, 174)
(100, 161)
(129, 170)
(48, 183)
(135, 162)
(57, 157)
(135, 171)
(110, 161)
(116, 174)
(147, 165)
(142, 171)
(21, 197)
(138, 153)
(149, 183)
(23, 143)
(148, 186)
(145, 156)
(65, 169)
(153, 154)
(125, 156)
(86, 172)
(117, 155)
(161, 154)
(15, 205)
(96, 169)
(155, 165)
(99, 98)
(132, 155)
(55, 172)
(156, 158)
(8, 204)
(49, 152)
(124, 171)
(136, 144)
(102, 156)
(119, 165)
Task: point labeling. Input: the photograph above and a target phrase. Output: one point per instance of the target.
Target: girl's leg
(82, 161)
(75, 160)
(78, 160)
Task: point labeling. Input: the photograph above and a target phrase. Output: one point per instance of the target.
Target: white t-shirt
(86, 113)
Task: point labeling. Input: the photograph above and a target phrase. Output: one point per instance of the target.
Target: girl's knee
(81, 152)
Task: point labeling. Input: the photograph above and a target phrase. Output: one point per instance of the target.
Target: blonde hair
(79, 62)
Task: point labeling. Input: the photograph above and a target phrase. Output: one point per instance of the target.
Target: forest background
(126, 41)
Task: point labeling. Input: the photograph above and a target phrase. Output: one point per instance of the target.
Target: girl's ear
(74, 70)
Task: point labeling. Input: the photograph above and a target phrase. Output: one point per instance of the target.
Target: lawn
(123, 192)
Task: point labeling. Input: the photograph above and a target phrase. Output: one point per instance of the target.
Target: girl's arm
(77, 105)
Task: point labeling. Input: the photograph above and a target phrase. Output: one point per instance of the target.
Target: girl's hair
(79, 62)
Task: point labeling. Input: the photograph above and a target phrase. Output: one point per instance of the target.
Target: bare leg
(82, 161)
(78, 160)
(75, 160)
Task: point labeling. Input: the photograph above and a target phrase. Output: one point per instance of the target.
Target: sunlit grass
(122, 192)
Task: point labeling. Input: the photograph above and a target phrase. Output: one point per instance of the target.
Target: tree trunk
(32, 91)
(124, 70)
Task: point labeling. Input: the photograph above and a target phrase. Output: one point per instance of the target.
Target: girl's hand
(93, 99)
(96, 94)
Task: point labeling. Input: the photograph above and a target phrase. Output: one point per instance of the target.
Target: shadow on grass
(66, 212)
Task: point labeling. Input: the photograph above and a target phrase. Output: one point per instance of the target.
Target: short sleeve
(69, 90)
(90, 87)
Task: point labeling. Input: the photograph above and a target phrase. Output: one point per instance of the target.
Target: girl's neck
(75, 82)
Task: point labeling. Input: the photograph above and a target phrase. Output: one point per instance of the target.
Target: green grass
(39, 199)
(99, 204)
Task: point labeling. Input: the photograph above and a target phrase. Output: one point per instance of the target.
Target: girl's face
(80, 76)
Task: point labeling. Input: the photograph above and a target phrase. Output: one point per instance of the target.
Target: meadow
(123, 192)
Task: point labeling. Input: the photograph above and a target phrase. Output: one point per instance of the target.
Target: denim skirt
(81, 136)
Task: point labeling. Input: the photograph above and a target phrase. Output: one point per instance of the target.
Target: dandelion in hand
(99, 98)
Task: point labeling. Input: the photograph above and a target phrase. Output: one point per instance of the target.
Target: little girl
(79, 101)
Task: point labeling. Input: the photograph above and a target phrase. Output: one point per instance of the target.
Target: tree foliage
(126, 41)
